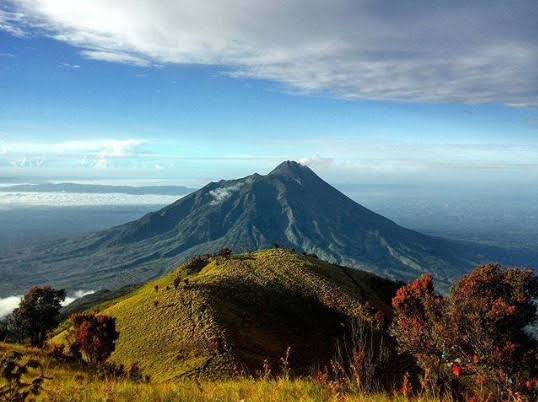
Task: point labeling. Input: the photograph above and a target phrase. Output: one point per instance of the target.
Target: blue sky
(193, 92)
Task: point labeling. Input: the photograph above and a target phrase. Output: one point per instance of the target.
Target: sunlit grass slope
(231, 315)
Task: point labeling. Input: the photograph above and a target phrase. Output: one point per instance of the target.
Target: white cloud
(11, 200)
(77, 295)
(317, 162)
(101, 162)
(106, 147)
(115, 57)
(28, 163)
(70, 66)
(12, 22)
(418, 51)
(8, 304)
(221, 194)
(98, 153)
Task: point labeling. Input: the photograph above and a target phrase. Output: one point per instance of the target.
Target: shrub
(473, 341)
(57, 353)
(74, 351)
(135, 373)
(12, 371)
(197, 263)
(365, 359)
(225, 253)
(110, 371)
(96, 336)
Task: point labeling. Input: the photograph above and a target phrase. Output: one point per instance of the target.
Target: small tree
(96, 336)
(38, 313)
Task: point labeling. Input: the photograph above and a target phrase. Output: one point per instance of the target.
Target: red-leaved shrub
(96, 336)
(472, 342)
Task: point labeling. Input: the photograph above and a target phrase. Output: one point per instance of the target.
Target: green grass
(233, 314)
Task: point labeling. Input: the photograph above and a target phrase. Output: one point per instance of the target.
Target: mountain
(291, 206)
(95, 189)
(229, 315)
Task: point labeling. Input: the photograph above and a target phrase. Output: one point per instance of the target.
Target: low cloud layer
(417, 51)
(77, 295)
(10, 303)
(9, 200)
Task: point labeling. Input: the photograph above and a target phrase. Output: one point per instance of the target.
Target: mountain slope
(231, 315)
(290, 206)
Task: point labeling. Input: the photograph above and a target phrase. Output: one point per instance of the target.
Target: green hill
(227, 317)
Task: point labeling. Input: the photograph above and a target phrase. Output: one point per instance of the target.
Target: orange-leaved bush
(473, 341)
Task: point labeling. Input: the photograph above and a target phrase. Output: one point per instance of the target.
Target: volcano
(290, 207)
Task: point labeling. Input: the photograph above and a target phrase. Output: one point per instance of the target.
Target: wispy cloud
(97, 153)
(420, 51)
(28, 163)
(116, 57)
(70, 66)
(317, 162)
(12, 22)
(221, 194)
(106, 146)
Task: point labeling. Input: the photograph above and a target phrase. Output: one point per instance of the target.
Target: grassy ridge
(227, 318)
(222, 321)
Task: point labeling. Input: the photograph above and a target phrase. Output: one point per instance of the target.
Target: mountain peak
(292, 169)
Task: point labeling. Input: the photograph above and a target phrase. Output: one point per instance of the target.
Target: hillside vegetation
(276, 325)
(69, 382)
(227, 317)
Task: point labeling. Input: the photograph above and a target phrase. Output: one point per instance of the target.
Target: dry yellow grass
(221, 391)
(70, 383)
